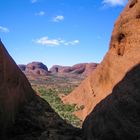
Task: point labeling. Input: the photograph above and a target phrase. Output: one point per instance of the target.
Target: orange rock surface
(123, 54)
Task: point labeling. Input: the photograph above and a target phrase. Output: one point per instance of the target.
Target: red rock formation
(22, 67)
(36, 68)
(117, 117)
(123, 54)
(82, 68)
(90, 67)
(23, 114)
(55, 69)
(14, 88)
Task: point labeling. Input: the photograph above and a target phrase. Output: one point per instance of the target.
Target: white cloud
(74, 42)
(114, 2)
(41, 13)
(33, 1)
(45, 41)
(48, 42)
(4, 29)
(58, 18)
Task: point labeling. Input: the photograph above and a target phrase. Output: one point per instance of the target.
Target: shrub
(64, 110)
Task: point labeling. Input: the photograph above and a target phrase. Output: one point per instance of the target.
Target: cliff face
(123, 54)
(117, 117)
(14, 89)
(23, 114)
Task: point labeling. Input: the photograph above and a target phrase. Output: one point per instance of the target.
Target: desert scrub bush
(66, 90)
(80, 107)
(64, 110)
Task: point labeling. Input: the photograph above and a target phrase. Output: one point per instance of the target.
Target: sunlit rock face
(117, 117)
(123, 54)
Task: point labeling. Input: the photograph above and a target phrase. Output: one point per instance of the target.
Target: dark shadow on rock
(23, 114)
(117, 117)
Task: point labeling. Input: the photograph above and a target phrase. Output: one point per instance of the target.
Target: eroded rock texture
(117, 117)
(123, 54)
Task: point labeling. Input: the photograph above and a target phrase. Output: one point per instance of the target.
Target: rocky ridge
(122, 55)
(38, 68)
(82, 68)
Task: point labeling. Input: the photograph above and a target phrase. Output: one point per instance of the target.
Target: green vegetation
(64, 90)
(52, 87)
(64, 110)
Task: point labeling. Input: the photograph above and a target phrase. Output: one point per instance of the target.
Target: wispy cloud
(71, 43)
(4, 29)
(45, 41)
(114, 2)
(48, 42)
(41, 13)
(58, 18)
(34, 1)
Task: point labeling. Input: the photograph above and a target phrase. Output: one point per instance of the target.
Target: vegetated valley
(56, 83)
(107, 100)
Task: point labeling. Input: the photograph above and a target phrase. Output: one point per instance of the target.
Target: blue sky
(63, 32)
